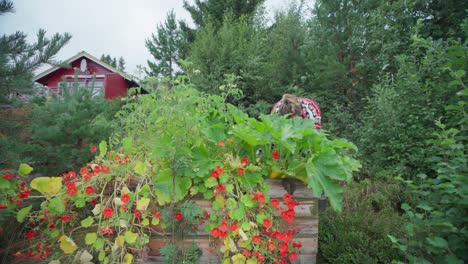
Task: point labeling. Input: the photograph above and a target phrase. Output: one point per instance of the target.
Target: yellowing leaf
(128, 258)
(238, 259)
(252, 261)
(67, 245)
(119, 241)
(125, 190)
(47, 185)
(220, 199)
(24, 169)
(145, 222)
(143, 203)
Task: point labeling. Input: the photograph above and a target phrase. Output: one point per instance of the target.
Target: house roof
(89, 56)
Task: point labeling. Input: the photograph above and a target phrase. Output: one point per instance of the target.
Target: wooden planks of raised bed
(306, 224)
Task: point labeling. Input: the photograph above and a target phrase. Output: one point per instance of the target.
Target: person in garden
(298, 106)
(293, 106)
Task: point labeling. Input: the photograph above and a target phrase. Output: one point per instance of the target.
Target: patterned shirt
(310, 110)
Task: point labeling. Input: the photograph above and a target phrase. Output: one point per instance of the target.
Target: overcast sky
(115, 27)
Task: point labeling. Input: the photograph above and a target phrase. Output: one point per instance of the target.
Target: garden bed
(306, 224)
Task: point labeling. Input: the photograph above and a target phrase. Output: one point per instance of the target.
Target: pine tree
(18, 58)
(112, 61)
(165, 47)
(215, 10)
(121, 65)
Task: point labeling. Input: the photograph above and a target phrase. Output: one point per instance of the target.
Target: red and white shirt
(310, 110)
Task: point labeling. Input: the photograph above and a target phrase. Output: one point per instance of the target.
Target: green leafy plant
(172, 146)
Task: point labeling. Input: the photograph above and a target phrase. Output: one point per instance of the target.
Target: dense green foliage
(55, 135)
(359, 233)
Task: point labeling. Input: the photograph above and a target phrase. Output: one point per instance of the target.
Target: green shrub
(359, 233)
(400, 115)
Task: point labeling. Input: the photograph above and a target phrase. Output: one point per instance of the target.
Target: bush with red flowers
(172, 147)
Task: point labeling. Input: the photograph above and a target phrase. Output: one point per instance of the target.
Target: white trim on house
(89, 56)
(87, 76)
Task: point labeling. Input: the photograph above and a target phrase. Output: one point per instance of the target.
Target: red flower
(93, 202)
(218, 171)
(105, 169)
(125, 198)
(246, 253)
(97, 169)
(224, 226)
(292, 204)
(89, 190)
(256, 239)
(297, 245)
(93, 149)
(157, 215)
(71, 186)
(275, 155)
(221, 188)
(245, 161)
(31, 234)
(271, 245)
(124, 207)
(283, 247)
(240, 171)
(234, 227)
(66, 218)
(220, 143)
(137, 214)
(84, 170)
(260, 257)
(8, 176)
(179, 216)
(107, 212)
(266, 223)
(283, 261)
(293, 256)
(214, 232)
(52, 226)
(275, 202)
(259, 196)
(287, 198)
(288, 215)
(106, 230)
(24, 194)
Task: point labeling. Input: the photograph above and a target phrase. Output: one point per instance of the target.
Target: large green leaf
(170, 188)
(57, 206)
(47, 185)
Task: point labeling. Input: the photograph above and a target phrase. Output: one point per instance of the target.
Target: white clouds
(115, 27)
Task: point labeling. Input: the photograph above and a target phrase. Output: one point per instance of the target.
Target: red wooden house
(91, 73)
